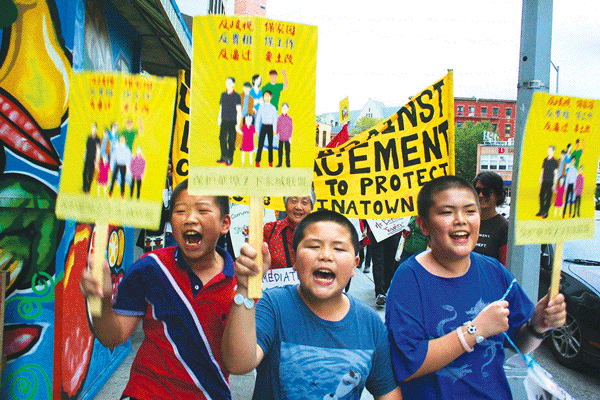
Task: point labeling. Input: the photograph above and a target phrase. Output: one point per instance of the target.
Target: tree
(363, 124)
(466, 140)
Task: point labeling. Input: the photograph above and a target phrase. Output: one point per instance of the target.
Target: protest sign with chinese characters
(119, 130)
(557, 174)
(379, 173)
(252, 106)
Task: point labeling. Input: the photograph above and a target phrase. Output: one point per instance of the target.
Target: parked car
(578, 341)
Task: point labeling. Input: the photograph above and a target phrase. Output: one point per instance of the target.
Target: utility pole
(534, 76)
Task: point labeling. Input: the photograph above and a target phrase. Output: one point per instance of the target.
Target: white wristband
(463, 342)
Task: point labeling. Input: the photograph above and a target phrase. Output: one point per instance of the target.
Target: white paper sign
(240, 219)
(279, 277)
(384, 228)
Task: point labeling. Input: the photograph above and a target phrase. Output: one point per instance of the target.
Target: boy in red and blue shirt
(182, 294)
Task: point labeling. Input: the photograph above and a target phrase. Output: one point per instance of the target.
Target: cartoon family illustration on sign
(115, 155)
(562, 181)
(255, 110)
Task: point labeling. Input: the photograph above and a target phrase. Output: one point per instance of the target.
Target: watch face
(472, 329)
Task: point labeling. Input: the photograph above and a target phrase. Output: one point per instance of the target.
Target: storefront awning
(166, 39)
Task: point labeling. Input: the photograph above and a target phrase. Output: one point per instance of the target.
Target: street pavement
(583, 384)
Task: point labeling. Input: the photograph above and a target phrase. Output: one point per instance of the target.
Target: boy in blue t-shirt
(310, 341)
(444, 310)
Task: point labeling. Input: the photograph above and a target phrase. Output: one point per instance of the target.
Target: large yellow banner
(181, 132)
(557, 173)
(379, 173)
(117, 148)
(252, 106)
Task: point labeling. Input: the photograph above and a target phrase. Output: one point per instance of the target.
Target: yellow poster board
(236, 61)
(117, 148)
(344, 111)
(379, 173)
(557, 173)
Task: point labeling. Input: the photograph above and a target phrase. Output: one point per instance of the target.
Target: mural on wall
(40, 45)
(79, 347)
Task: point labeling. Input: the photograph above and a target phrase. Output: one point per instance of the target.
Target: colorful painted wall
(50, 348)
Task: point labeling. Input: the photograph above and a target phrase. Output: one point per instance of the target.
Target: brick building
(500, 113)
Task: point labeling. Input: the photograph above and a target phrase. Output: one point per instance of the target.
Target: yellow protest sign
(379, 173)
(119, 131)
(253, 81)
(272, 203)
(181, 131)
(557, 172)
(344, 111)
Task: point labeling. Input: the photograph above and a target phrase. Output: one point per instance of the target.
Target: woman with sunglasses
(493, 231)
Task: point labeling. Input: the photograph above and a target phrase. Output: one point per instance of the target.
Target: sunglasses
(484, 191)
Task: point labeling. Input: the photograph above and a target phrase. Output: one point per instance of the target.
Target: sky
(389, 50)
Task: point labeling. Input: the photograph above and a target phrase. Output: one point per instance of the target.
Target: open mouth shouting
(324, 276)
(192, 238)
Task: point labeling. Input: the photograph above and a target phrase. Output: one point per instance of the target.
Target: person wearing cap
(278, 234)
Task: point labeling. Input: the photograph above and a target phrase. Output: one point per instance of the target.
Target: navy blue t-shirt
(421, 306)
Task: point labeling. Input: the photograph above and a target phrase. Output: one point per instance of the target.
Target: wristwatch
(472, 330)
(239, 299)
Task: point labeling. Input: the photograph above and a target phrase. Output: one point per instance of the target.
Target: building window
(459, 125)
(484, 111)
(509, 162)
(493, 161)
(508, 112)
(216, 7)
(507, 130)
(502, 162)
(471, 111)
(495, 127)
(495, 111)
(461, 110)
(484, 162)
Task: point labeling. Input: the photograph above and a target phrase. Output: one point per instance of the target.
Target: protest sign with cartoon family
(253, 106)
(558, 170)
(116, 149)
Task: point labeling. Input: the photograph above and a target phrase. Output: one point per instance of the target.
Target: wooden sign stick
(556, 266)
(255, 230)
(100, 240)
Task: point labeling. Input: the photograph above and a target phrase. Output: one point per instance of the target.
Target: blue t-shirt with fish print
(307, 357)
